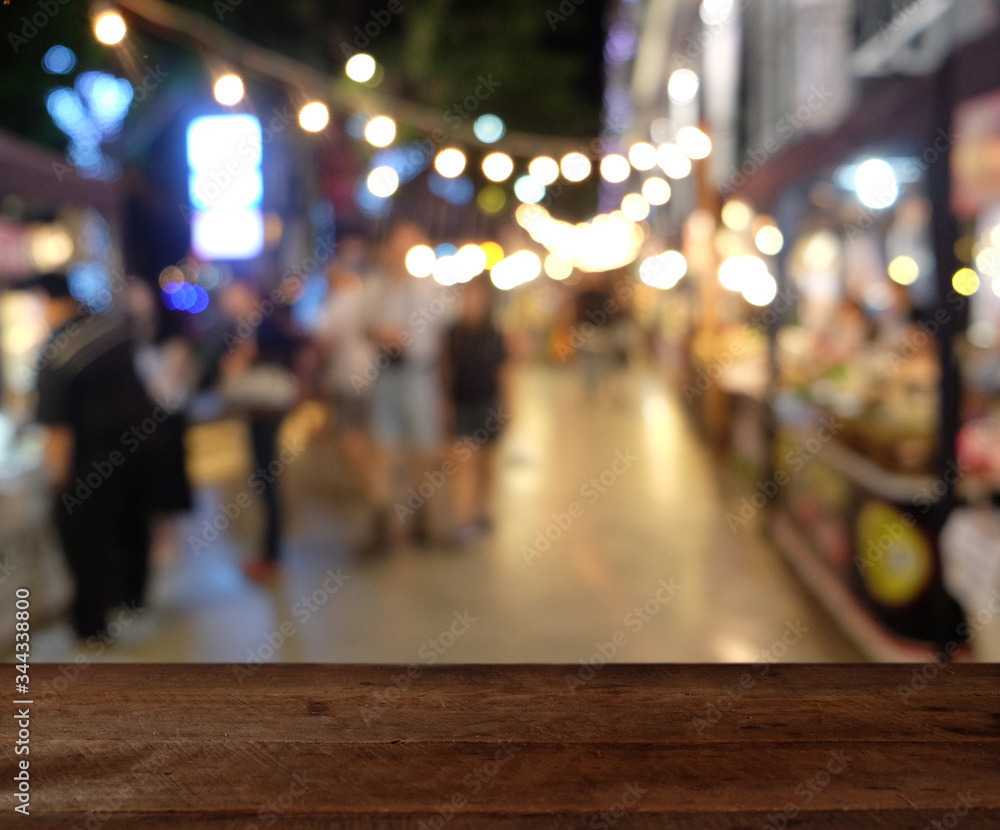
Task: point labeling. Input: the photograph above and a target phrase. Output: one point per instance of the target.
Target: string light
(450, 163)
(360, 68)
(575, 167)
(380, 131)
(229, 90)
(615, 168)
(544, 169)
(109, 28)
(497, 167)
(314, 116)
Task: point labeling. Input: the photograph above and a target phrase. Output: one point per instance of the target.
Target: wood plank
(504, 746)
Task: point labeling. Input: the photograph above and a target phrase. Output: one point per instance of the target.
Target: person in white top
(405, 320)
(342, 339)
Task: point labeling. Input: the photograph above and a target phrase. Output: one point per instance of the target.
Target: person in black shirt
(475, 381)
(99, 420)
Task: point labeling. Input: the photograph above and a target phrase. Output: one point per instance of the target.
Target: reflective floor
(610, 537)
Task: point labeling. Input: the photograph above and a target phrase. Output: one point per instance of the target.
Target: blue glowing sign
(226, 186)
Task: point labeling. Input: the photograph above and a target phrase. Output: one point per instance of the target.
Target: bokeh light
(694, 143)
(575, 167)
(420, 260)
(769, 240)
(656, 191)
(904, 270)
(664, 270)
(876, 185)
(360, 68)
(59, 61)
(380, 131)
(673, 161)
(965, 282)
(615, 168)
(529, 190)
(635, 207)
(489, 128)
(497, 167)
(109, 28)
(229, 90)
(383, 181)
(494, 253)
(544, 169)
(683, 86)
(737, 215)
(450, 163)
(557, 268)
(491, 199)
(314, 116)
(642, 156)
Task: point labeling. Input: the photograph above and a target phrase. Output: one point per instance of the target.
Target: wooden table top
(681, 746)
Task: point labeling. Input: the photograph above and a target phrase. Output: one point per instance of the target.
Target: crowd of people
(406, 367)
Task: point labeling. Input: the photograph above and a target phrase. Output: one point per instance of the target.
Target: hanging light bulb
(314, 116)
(109, 28)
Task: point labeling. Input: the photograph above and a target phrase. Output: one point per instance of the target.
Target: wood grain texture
(684, 746)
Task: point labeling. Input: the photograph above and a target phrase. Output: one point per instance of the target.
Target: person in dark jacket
(98, 421)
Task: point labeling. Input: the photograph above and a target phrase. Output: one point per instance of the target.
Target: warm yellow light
(471, 261)
(450, 163)
(380, 131)
(672, 161)
(229, 90)
(544, 169)
(615, 168)
(420, 260)
(558, 269)
(635, 207)
(642, 156)
(904, 270)
(656, 191)
(965, 282)
(737, 215)
(515, 270)
(694, 143)
(494, 253)
(740, 271)
(360, 68)
(109, 28)
(497, 167)
(383, 181)
(314, 116)
(664, 270)
(769, 240)
(575, 167)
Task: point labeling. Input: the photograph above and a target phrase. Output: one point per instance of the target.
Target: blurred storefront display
(868, 458)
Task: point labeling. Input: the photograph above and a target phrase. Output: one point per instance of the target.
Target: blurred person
(476, 383)
(99, 459)
(404, 320)
(342, 339)
(169, 371)
(261, 377)
(592, 331)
